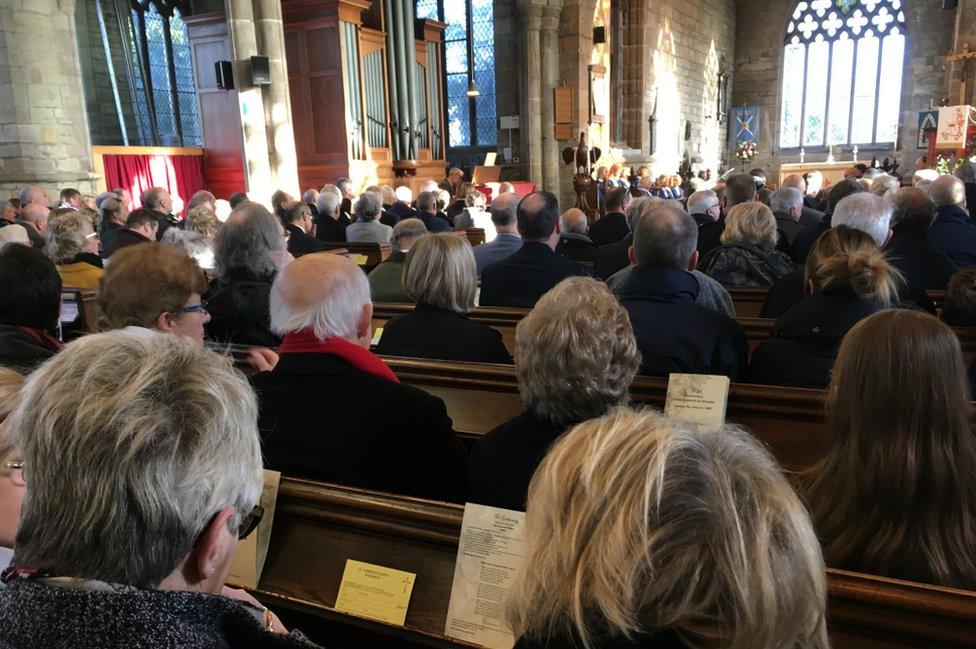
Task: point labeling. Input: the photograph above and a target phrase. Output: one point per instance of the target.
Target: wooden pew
(475, 236)
(748, 300)
(375, 253)
(318, 526)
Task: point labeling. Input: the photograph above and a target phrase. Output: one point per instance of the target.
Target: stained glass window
(469, 53)
(842, 73)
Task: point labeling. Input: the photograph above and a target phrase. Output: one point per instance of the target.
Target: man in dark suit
(427, 212)
(309, 198)
(140, 226)
(331, 410)
(909, 249)
(787, 206)
(805, 238)
(573, 242)
(706, 208)
(953, 232)
(521, 279)
(328, 224)
(613, 226)
(809, 216)
(158, 201)
(344, 185)
(613, 257)
(301, 231)
(401, 209)
(674, 333)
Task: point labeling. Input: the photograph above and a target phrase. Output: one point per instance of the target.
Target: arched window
(842, 73)
(469, 56)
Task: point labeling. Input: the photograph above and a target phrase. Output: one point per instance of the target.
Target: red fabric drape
(180, 175)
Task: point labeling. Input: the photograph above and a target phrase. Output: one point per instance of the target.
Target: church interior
(569, 324)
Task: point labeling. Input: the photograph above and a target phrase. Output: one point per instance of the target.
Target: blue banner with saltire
(743, 125)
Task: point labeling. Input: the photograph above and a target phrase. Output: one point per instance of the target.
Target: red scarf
(43, 339)
(304, 341)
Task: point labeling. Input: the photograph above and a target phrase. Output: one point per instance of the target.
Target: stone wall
(758, 75)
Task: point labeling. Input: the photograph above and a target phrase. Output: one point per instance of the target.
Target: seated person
(30, 304)
(895, 494)
(808, 235)
(642, 531)
(12, 483)
(401, 207)
(674, 333)
(474, 214)
(328, 222)
(197, 239)
(301, 232)
(706, 208)
(959, 309)
(909, 250)
(953, 231)
(280, 200)
(573, 242)
(612, 227)
(72, 244)
(614, 257)
(146, 445)
(33, 218)
(140, 227)
(113, 216)
(333, 411)
(748, 255)
(847, 279)
(249, 250)
(787, 206)
(504, 219)
(575, 359)
(427, 212)
(386, 280)
(439, 275)
(367, 226)
(522, 278)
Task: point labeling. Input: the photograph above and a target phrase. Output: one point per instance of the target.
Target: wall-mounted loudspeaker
(225, 74)
(260, 71)
(599, 35)
(950, 4)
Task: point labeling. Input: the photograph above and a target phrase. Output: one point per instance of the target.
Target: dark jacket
(801, 349)
(577, 247)
(674, 334)
(788, 291)
(23, 349)
(805, 238)
(810, 217)
(396, 213)
(434, 223)
(107, 232)
(165, 222)
(37, 239)
(954, 234)
(324, 420)
(386, 280)
(613, 257)
(329, 229)
(661, 640)
(239, 310)
(609, 229)
(918, 260)
(709, 236)
(788, 228)
(503, 461)
(743, 264)
(123, 238)
(522, 278)
(301, 243)
(430, 332)
(38, 616)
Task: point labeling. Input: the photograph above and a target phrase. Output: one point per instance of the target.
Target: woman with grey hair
(575, 357)
(72, 244)
(439, 274)
(142, 462)
(248, 252)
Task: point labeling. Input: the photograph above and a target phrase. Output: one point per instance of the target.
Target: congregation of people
(231, 340)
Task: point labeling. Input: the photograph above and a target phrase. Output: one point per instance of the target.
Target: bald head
(325, 293)
(34, 194)
(947, 190)
(665, 237)
(538, 215)
(574, 220)
(795, 181)
(35, 214)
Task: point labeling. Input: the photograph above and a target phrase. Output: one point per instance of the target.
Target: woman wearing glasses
(72, 244)
(143, 467)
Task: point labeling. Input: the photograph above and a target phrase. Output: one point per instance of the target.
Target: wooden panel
(322, 48)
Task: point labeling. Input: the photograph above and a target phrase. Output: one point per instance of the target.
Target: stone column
(532, 110)
(43, 122)
(270, 161)
(550, 75)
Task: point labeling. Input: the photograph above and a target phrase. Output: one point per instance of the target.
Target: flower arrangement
(746, 151)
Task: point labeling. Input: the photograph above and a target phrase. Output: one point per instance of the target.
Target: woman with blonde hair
(72, 244)
(895, 496)
(847, 279)
(439, 274)
(575, 358)
(197, 240)
(643, 531)
(748, 254)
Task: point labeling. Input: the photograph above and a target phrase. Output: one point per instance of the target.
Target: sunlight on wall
(669, 130)
(710, 145)
(598, 135)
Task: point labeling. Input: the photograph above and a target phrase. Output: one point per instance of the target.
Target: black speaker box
(260, 71)
(599, 35)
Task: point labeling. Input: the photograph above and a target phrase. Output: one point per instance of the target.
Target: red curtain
(180, 175)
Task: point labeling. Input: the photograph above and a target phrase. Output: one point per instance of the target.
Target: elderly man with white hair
(328, 219)
(787, 206)
(507, 239)
(159, 202)
(812, 213)
(452, 181)
(953, 231)
(401, 208)
(333, 411)
(309, 198)
(573, 242)
(367, 226)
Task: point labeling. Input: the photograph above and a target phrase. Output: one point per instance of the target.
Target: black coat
(788, 291)
(521, 279)
(430, 332)
(324, 420)
(239, 310)
(613, 257)
(300, 243)
(919, 261)
(123, 238)
(805, 238)
(434, 223)
(674, 333)
(329, 229)
(801, 349)
(709, 236)
(661, 640)
(610, 229)
(165, 222)
(396, 213)
(954, 233)
(21, 351)
(503, 461)
(578, 248)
